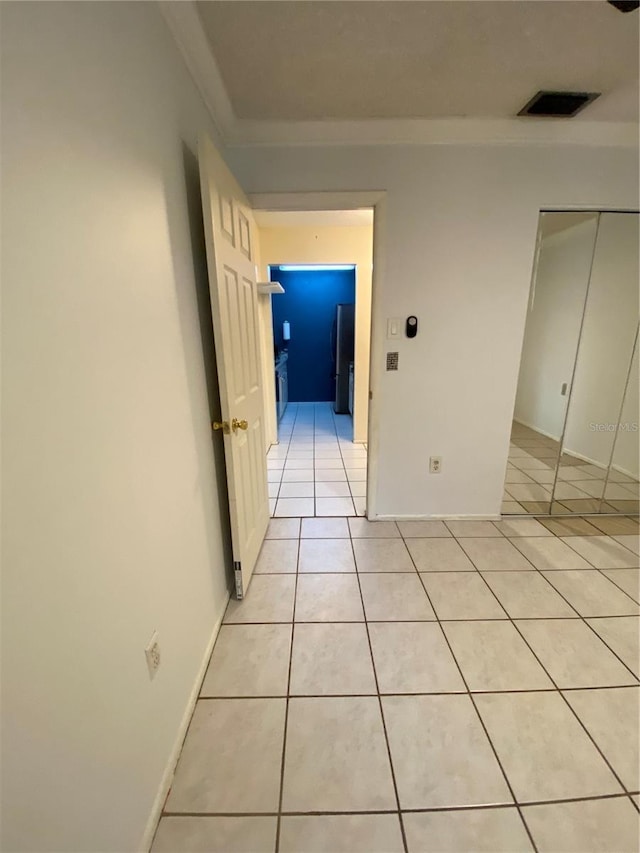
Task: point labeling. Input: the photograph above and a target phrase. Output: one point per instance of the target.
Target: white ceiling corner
(185, 23)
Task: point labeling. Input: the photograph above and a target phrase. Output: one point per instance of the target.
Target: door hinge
(371, 395)
(237, 570)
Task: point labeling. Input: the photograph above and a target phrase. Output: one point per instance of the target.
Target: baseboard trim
(622, 470)
(602, 467)
(440, 517)
(167, 776)
(537, 429)
(584, 458)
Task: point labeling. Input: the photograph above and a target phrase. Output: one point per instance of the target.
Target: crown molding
(184, 23)
(465, 131)
(185, 26)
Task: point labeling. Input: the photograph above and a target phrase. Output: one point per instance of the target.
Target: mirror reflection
(621, 488)
(552, 333)
(574, 441)
(602, 367)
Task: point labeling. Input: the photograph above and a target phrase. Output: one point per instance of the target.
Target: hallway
(421, 686)
(316, 469)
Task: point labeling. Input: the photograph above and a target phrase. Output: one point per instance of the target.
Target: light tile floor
(422, 686)
(316, 468)
(579, 487)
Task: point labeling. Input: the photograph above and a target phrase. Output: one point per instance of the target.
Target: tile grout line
(435, 810)
(286, 456)
(553, 681)
(393, 694)
(380, 707)
(475, 707)
(163, 811)
(582, 618)
(602, 571)
(594, 536)
(609, 569)
(589, 519)
(331, 424)
(626, 794)
(444, 621)
(286, 710)
(315, 499)
(344, 465)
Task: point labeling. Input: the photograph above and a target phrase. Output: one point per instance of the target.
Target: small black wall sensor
(412, 326)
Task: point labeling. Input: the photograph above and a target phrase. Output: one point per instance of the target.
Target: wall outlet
(435, 464)
(152, 654)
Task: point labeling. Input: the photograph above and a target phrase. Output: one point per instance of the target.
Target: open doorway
(314, 336)
(317, 337)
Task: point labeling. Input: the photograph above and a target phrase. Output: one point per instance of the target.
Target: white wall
(113, 495)
(331, 245)
(552, 330)
(459, 242)
(606, 341)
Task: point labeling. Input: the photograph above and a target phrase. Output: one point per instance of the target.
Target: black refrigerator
(344, 337)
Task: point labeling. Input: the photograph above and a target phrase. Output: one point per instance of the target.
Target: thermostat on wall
(412, 326)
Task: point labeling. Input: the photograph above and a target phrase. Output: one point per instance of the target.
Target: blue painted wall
(309, 304)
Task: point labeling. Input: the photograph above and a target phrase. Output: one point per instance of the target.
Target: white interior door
(231, 246)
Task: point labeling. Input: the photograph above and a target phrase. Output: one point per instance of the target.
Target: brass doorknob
(236, 424)
(224, 426)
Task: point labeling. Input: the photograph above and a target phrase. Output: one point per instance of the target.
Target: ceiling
(313, 218)
(303, 60)
(329, 72)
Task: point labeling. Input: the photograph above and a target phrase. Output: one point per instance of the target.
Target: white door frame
(351, 200)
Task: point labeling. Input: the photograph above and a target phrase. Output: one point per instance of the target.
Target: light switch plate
(394, 327)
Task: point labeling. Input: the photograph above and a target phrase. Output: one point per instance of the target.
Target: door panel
(229, 232)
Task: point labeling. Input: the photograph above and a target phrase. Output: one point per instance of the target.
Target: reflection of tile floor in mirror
(421, 686)
(316, 469)
(531, 473)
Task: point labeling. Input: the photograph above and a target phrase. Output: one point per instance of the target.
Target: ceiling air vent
(558, 104)
(625, 5)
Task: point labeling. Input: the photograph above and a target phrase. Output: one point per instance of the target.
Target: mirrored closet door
(621, 485)
(574, 441)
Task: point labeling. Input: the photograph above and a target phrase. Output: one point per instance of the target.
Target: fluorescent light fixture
(313, 267)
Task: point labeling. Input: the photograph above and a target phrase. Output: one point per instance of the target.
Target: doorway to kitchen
(317, 268)
(314, 335)
(314, 341)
